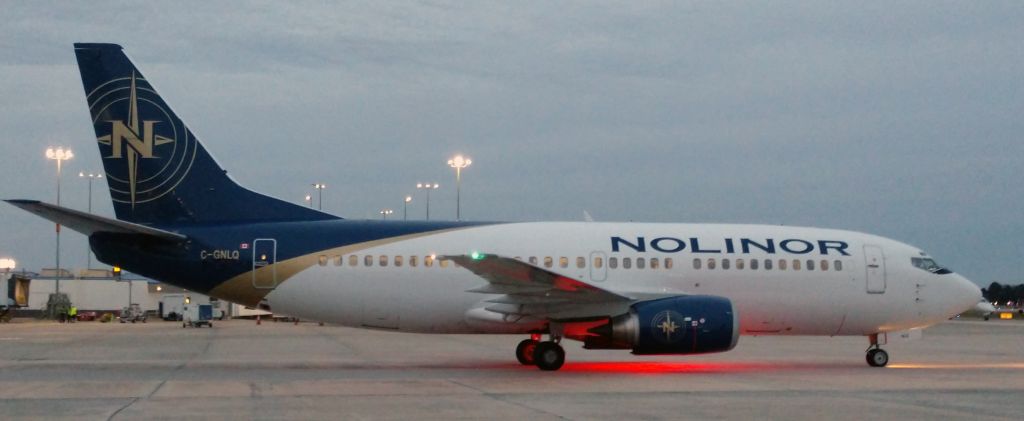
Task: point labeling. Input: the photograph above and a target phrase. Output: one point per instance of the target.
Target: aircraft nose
(967, 293)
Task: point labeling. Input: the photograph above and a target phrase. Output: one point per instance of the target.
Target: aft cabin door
(874, 263)
(264, 255)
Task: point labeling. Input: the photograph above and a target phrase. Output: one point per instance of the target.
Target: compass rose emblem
(140, 140)
(665, 326)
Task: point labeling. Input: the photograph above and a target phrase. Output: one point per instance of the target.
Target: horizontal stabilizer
(89, 224)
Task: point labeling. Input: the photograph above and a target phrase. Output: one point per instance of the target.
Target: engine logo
(665, 326)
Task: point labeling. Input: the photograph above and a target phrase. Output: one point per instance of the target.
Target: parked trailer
(172, 306)
(16, 296)
(197, 315)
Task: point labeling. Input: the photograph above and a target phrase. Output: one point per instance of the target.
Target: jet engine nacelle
(693, 324)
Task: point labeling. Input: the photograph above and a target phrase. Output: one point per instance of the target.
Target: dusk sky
(901, 119)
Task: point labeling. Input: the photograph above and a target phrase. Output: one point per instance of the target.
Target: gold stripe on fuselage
(242, 289)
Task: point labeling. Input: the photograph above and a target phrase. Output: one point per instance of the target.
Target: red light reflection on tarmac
(958, 366)
(668, 367)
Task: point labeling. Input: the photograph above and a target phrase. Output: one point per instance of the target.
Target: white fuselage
(867, 286)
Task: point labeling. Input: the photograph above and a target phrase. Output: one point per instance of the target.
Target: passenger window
(754, 263)
(353, 260)
(398, 261)
(533, 260)
(548, 261)
(668, 263)
(782, 264)
(696, 263)
(711, 263)
(739, 263)
(368, 260)
(598, 262)
(442, 263)
(563, 262)
(412, 261)
(337, 260)
(796, 264)
(810, 264)
(627, 263)
(838, 264)
(725, 264)
(654, 263)
(322, 261)
(383, 260)
(581, 262)
(428, 261)
(613, 262)
(824, 265)
(640, 262)
(767, 264)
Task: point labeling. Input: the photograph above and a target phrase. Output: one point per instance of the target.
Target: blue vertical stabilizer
(157, 171)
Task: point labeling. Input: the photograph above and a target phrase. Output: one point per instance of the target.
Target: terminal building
(103, 291)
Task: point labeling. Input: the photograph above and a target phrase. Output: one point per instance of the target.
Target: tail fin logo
(154, 162)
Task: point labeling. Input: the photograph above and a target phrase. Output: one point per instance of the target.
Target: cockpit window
(929, 265)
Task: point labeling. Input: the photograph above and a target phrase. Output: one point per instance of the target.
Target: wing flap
(527, 290)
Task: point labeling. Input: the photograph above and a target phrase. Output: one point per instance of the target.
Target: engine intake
(693, 324)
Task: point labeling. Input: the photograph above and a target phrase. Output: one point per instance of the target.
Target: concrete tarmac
(239, 370)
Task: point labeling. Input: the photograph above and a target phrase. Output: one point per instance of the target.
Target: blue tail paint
(157, 171)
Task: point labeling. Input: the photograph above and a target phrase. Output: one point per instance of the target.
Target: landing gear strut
(876, 356)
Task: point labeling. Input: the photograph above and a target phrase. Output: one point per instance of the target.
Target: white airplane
(649, 288)
(983, 309)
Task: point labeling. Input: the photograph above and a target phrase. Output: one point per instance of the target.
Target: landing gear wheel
(877, 357)
(549, 356)
(524, 351)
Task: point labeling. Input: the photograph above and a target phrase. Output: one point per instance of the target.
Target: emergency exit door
(874, 263)
(264, 255)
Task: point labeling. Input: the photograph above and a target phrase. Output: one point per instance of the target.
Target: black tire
(877, 358)
(524, 351)
(549, 356)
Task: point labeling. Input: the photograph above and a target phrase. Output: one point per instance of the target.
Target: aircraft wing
(527, 290)
(87, 223)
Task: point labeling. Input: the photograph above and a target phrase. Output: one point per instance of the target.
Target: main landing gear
(546, 355)
(876, 356)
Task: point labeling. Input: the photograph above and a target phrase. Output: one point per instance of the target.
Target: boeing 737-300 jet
(651, 288)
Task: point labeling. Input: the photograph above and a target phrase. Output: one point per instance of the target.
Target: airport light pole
(320, 195)
(309, 200)
(385, 212)
(88, 251)
(60, 155)
(428, 187)
(405, 208)
(458, 162)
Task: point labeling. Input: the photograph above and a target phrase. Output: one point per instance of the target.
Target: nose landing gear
(876, 356)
